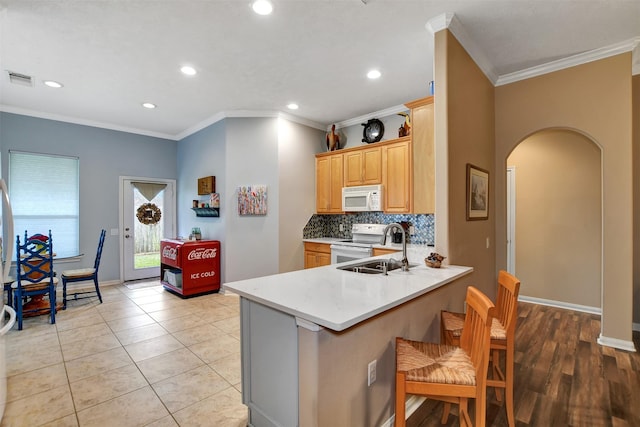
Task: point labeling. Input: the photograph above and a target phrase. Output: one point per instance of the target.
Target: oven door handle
(351, 249)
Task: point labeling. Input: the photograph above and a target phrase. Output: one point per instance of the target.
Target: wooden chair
(448, 373)
(84, 275)
(503, 332)
(34, 274)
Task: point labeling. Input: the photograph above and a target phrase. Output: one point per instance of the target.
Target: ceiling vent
(20, 79)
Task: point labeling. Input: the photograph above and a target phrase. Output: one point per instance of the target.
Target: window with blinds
(44, 194)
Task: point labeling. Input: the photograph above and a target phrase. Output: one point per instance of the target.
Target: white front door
(148, 215)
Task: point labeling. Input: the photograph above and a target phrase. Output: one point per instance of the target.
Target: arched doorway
(558, 218)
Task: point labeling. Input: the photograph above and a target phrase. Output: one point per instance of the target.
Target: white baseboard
(411, 405)
(561, 304)
(617, 343)
(602, 340)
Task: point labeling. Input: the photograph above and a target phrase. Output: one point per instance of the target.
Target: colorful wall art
(252, 200)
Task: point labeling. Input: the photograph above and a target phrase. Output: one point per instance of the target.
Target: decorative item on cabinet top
(206, 185)
(373, 131)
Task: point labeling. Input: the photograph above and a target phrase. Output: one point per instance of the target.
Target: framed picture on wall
(477, 193)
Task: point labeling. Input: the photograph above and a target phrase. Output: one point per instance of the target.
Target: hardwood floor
(562, 376)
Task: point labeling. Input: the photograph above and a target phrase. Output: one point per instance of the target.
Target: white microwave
(363, 198)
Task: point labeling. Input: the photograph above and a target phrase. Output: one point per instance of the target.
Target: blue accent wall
(104, 155)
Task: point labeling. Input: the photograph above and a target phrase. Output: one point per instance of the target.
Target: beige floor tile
(229, 367)
(217, 313)
(83, 333)
(182, 323)
(170, 313)
(190, 387)
(151, 298)
(222, 409)
(161, 305)
(106, 386)
(26, 343)
(130, 322)
(88, 347)
(31, 330)
(119, 310)
(154, 347)
(229, 325)
(137, 408)
(91, 317)
(94, 364)
(142, 333)
(20, 362)
(34, 382)
(167, 421)
(68, 421)
(217, 348)
(39, 408)
(168, 365)
(198, 334)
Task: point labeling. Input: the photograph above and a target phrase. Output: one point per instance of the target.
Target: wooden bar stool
(447, 373)
(502, 337)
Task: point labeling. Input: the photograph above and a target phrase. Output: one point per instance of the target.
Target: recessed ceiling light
(262, 7)
(292, 106)
(53, 84)
(374, 74)
(149, 105)
(189, 71)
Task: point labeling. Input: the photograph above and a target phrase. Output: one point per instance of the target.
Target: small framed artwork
(252, 200)
(477, 193)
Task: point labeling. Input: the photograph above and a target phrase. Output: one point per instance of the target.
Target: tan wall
(558, 217)
(636, 198)
(595, 99)
(341, 397)
(464, 134)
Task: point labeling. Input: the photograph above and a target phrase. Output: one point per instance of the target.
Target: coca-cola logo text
(169, 252)
(201, 253)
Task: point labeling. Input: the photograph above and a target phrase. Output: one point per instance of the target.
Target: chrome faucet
(405, 261)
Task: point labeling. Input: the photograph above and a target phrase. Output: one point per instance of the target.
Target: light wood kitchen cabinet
(363, 167)
(423, 155)
(396, 168)
(316, 254)
(381, 251)
(329, 183)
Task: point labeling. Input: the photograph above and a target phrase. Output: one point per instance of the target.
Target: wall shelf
(214, 212)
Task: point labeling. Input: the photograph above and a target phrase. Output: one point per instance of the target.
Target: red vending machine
(190, 268)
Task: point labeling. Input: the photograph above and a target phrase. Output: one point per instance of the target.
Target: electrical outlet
(371, 372)
(341, 227)
(412, 230)
(488, 243)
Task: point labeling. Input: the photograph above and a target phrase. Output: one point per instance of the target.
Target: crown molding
(376, 114)
(630, 45)
(452, 23)
(78, 121)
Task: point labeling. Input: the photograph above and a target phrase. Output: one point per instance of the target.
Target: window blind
(44, 194)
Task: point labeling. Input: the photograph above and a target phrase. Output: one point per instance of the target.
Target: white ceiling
(113, 55)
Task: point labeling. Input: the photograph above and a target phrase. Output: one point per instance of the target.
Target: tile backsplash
(329, 225)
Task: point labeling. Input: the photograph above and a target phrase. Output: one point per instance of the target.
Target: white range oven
(361, 244)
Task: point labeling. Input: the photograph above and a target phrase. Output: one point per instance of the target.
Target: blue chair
(84, 275)
(34, 260)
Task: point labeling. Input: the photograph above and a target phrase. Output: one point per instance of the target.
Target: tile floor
(144, 357)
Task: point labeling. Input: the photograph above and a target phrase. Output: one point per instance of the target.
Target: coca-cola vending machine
(190, 268)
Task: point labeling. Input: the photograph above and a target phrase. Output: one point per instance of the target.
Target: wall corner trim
(451, 22)
(616, 343)
(630, 45)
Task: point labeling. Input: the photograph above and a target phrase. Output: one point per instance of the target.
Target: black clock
(373, 131)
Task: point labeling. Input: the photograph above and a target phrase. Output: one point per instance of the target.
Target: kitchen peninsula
(309, 335)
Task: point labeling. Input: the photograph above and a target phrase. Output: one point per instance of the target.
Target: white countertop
(338, 299)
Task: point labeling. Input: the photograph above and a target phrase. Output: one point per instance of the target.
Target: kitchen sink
(379, 266)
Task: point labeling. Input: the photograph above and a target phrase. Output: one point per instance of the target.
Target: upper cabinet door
(363, 167)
